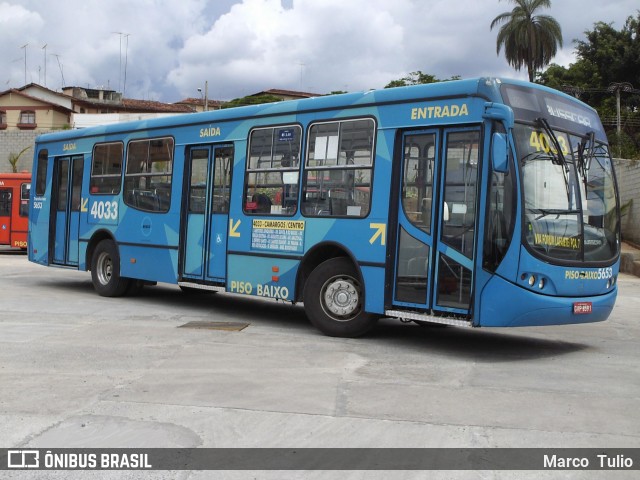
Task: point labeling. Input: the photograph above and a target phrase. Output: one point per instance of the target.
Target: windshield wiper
(584, 161)
(543, 212)
(533, 156)
(563, 161)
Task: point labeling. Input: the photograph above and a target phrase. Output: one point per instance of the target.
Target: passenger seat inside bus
(263, 203)
(144, 200)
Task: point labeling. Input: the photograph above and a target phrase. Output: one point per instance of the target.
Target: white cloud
(243, 46)
(18, 27)
(336, 45)
(259, 45)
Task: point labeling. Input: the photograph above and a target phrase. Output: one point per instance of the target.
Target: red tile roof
(129, 104)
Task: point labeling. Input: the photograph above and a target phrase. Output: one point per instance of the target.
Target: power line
(577, 91)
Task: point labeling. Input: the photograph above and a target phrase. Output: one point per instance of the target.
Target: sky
(166, 50)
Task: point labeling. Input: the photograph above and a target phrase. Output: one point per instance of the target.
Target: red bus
(14, 208)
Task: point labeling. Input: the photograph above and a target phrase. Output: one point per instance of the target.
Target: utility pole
(126, 57)
(24, 47)
(618, 87)
(60, 67)
(45, 64)
(206, 95)
(122, 88)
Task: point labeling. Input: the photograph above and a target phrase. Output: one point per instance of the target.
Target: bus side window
(41, 172)
(337, 177)
(25, 189)
(5, 203)
(147, 181)
(273, 166)
(499, 219)
(106, 168)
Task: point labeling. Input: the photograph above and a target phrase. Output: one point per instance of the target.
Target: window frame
(427, 181)
(499, 184)
(281, 169)
(93, 176)
(149, 174)
(25, 187)
(221, 193)
(337, 167)
(6, 205)
(449, 186)
(27, 125)
(41, 172)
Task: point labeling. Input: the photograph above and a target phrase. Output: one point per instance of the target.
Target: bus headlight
(541, 284)
(532, 280)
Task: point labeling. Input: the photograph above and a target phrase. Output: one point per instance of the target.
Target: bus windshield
(569, 194)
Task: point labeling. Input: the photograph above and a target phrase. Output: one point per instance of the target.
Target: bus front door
(68, 192)
(5, 216)
(207, 213)
(437, 220)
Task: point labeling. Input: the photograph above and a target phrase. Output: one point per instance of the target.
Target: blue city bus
(480, 202)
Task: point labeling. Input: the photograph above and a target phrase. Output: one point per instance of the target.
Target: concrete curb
(630, 260)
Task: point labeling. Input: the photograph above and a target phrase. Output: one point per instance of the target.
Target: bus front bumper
(504, 304)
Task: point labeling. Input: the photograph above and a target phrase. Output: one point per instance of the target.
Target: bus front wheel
(334, 300)
(105, 270)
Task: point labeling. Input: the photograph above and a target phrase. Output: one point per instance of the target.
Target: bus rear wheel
(334, 300)
(105, 270)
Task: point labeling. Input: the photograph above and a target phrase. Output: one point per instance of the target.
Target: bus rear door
(6, 196)
(206, 218)
(437, 220)
(68, 198)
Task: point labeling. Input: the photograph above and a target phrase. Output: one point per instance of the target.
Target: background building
(31, 110)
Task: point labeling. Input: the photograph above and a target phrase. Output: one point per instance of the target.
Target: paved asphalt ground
(78, 370)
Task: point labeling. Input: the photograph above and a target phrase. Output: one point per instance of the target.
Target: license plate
(582, 308)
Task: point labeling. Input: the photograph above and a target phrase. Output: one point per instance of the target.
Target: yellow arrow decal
(83, 207)
(381, 231)
(233, 228)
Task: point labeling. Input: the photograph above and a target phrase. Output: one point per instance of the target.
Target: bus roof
(15, 176)
(329, 102)
(487, 88)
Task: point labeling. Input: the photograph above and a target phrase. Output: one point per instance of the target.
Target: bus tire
(105, 270)
(134, 288)
(334, 300)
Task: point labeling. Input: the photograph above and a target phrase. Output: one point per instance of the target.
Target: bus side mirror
(499, 154)
(500, 113)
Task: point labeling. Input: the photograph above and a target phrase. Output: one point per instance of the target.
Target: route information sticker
(279, 235)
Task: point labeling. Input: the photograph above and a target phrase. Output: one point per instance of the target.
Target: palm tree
(528, 39)
(14, 159)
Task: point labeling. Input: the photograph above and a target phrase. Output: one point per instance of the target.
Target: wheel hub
(341, 298)
(105, 268)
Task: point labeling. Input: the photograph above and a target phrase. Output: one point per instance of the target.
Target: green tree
(616, 54)
(529, 40)
(418, 78)
(604, 58)
(252, 100)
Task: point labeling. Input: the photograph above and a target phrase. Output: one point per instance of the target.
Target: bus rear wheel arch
(105, 270)
(334, 299)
